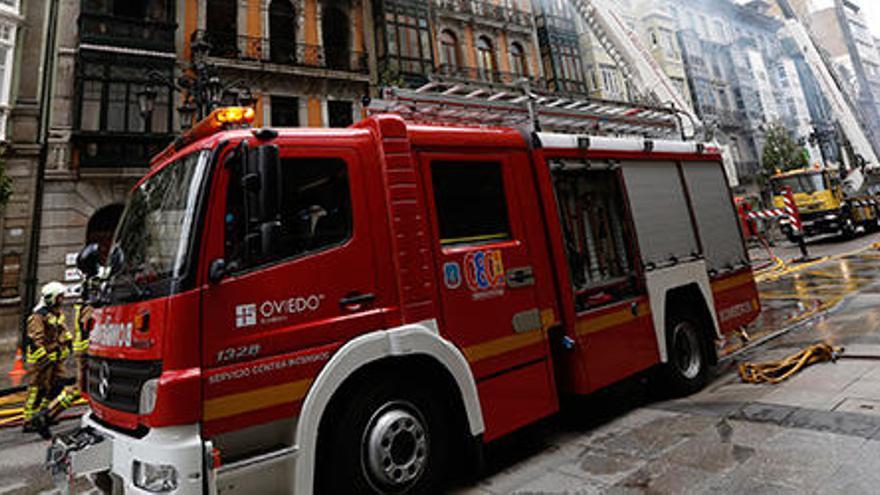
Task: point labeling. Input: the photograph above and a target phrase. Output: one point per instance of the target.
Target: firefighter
(48, 343)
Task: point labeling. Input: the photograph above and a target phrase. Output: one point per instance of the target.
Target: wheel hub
(395, 446)
(687, 359)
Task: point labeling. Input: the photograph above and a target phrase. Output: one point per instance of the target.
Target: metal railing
(284, 52)
(121, 31)
(118, 150)
(486, 10)
(477, 74)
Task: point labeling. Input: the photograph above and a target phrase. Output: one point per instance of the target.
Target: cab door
(275, 318)
(494, 280)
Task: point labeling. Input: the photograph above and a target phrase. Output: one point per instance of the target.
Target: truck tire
(687, 368)
(389, 437)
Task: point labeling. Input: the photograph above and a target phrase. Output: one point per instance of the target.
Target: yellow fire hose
(774, 372)
(12, 416)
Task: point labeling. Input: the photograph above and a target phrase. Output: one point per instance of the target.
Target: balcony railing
(556, 23)
(486, 10)
(104, 29)
(118, 150)
(283, 52)
(477, 74)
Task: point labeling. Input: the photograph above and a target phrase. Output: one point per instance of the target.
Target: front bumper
(827, 222)
(94, 449)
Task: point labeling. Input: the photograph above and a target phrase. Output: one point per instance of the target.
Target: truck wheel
(687, 368)
(388, 438)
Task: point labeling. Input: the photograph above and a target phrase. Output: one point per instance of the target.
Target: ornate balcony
(283, 52)
(102, 29)
(486, 11)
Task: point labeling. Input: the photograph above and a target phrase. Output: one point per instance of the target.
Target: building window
(221, 24)
(140, 24)
(7, 43)
(339, 113)
(449, 49)
(611, 81)
(470, 202)
(336, 35)
(570, 73)
(109, 100)
(282, 32)
(110, 130)
(486, 58)
(284, 111)
(404, 40)
(518, 63)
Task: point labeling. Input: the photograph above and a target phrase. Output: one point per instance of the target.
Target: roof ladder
(461, 104)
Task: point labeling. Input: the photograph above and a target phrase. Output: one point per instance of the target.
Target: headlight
(831, 217)
(148, 396)
(156, 478)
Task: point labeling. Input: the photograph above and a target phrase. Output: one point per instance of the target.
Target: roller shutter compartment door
(716, 217)
(660, 213)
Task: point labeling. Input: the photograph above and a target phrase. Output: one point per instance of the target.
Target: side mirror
(217, 270)
(261, 182)
(116, 259)
(89, 259)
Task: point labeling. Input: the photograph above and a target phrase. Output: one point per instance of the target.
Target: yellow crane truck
(825, 205)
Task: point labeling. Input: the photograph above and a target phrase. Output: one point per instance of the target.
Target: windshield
(802, 183)
(152, 241)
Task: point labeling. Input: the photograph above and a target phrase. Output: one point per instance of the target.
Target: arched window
(336, 35)
(102, 225)
(486, 58)
(220, 24)
(282, 32)
(518, 64)
(448, 50)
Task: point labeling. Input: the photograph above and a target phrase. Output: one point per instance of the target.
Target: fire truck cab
(356, 310)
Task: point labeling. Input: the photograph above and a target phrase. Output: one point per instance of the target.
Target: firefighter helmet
(52, 293)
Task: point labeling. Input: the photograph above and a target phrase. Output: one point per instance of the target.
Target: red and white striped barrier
(771, 214)
(791, 210)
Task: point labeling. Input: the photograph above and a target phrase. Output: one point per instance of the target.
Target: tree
(781, 152)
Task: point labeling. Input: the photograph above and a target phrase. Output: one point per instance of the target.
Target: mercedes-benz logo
(103, 380)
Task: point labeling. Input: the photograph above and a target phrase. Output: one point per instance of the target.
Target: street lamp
(202, 87)
(147, 103)
(187, 112)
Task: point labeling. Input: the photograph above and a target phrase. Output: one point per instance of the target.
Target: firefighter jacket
(48, 340)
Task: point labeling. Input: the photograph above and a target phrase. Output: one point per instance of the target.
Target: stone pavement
(816, 433)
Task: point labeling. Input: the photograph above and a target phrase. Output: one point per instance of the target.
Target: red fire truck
(357, 310)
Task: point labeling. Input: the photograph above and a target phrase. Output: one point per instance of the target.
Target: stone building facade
(22, 138)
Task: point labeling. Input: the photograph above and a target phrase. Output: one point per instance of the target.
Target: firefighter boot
(32, 404)
(40, 423)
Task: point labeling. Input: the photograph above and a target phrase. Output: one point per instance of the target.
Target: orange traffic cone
(18, 370)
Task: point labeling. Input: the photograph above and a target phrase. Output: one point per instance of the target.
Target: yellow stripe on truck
(732, 282)
(503, 345)
(254, 400)
(614, 319)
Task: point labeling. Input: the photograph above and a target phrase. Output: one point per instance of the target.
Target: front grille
(124, 381)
